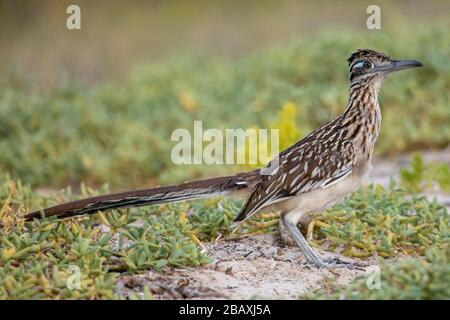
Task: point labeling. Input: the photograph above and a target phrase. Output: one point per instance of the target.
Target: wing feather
(302, 168)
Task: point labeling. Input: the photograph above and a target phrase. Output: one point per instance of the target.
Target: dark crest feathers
(368, 54)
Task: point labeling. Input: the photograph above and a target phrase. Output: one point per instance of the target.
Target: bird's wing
(302, 168)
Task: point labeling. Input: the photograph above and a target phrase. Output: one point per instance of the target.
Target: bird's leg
(289, 231)
(284, 233)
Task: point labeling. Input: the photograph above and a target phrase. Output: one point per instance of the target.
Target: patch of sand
(256, 267)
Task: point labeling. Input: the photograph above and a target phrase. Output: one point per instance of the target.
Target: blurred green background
(99, 104)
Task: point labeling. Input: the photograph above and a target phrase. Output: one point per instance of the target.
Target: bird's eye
(364, 64)
(368, 65)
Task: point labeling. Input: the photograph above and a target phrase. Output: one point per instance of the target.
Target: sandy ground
(256, 267)
(261, 266)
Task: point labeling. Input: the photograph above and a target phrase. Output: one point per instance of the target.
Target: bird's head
(370, 65)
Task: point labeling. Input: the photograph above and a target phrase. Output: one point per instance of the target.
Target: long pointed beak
(397, 65)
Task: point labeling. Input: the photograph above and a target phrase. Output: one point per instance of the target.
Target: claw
(338, 263)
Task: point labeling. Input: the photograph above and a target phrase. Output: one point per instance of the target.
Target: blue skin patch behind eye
(358, 64)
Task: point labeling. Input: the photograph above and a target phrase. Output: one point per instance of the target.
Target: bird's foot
(335, 262)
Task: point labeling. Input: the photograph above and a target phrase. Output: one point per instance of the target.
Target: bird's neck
(362, 117)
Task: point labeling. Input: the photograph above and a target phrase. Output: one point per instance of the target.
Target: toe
(339, 263)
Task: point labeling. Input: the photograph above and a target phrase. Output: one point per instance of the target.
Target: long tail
(144, 197)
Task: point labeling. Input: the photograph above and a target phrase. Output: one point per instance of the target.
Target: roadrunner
(310, 176)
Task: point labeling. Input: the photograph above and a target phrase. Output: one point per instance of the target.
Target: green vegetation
(120, 133)
(409, 279)
(421, 176)
(382, 221)
(37, 258)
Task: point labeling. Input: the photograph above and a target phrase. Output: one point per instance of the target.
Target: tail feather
(186, 191)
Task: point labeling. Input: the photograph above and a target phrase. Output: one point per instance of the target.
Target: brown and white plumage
(144, 197)
(315, 162)
(310, 176)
